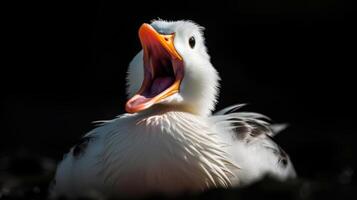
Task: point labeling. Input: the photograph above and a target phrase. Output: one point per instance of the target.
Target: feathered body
(166, 152)
(176, 145)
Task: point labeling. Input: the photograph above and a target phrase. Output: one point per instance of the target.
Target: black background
(64, 66)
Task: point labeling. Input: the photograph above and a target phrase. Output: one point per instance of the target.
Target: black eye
(192, 42)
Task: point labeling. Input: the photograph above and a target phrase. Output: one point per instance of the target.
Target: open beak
(163, 70)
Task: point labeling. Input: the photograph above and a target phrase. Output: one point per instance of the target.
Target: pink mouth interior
(159, 85)
(164, 77)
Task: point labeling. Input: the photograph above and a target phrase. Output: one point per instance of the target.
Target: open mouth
(163, 70)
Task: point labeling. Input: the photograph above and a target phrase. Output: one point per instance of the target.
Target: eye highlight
(192, 42)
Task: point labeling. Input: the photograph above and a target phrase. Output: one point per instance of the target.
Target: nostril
(166, 39)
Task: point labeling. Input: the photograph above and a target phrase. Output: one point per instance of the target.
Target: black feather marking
(250, 130)
(81, 146)
(283, 157)
(284, 162)
(241, 129)
(258, 130)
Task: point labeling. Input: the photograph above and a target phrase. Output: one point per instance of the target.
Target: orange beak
(163, 69)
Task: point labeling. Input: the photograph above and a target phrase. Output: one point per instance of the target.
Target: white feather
(137, 154)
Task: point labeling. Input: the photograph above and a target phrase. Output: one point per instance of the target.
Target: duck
(170, 141)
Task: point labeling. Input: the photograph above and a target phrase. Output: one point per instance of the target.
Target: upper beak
(150, 37)
(155, 44)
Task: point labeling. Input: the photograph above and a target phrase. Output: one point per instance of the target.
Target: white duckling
(169, 142)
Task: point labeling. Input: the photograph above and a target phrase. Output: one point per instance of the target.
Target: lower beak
(158, 49)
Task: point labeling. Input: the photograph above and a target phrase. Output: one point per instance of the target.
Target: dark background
(64, 66)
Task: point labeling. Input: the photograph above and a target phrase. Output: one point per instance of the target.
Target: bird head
(173, 68)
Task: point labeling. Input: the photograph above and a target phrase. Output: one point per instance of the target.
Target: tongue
(160, 84)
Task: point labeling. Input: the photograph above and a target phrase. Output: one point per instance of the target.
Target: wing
(247, 126)
(253, 146)
(250, 126)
